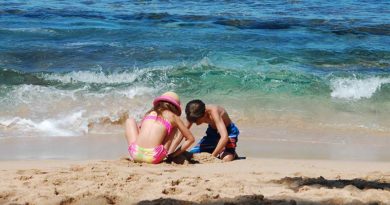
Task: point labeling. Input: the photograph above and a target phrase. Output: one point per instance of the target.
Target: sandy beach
(95, 169)
(205, 180)
(306, 82)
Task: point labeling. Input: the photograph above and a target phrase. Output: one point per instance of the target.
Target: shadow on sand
(250, 200)
(200, 158)
(293, 183)
(296, 182)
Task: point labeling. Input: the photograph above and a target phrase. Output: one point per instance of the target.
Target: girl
(150, 142)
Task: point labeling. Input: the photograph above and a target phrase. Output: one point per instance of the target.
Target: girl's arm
(184, 132)
(177, 139)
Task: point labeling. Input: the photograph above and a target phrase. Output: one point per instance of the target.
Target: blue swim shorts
(209, 142)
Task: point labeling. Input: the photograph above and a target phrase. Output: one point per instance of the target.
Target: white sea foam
(73, 124)
(205, 61)
(136, 91)
(36, 110)
(355, 89)
(94, 77)
(43, 111)
(41, 95)
(38, 96)
(43, 102)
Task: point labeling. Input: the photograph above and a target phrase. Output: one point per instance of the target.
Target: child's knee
(130, 121)
(228, 157)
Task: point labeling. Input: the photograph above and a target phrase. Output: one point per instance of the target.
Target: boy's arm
(221, 127)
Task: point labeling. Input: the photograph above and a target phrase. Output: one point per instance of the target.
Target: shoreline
(256, 142)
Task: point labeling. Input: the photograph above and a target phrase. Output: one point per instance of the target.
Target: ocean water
(67, 67)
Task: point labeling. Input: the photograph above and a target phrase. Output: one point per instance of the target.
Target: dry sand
(204, 181)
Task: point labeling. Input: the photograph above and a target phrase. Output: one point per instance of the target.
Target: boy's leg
(229, 154)
(203, 146)
(131, 130)
(206, 144)
(226, 156)
(209, 142)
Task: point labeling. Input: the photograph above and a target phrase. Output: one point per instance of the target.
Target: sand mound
(189, 158)
(205, 158)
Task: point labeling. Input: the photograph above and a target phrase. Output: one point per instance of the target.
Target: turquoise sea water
(66, 65)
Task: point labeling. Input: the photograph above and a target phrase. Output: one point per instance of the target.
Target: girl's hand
(169, 158)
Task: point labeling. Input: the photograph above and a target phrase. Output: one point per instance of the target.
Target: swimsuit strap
(160, 119)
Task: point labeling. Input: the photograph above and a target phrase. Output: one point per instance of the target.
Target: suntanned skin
(217, 117)
(152, 132)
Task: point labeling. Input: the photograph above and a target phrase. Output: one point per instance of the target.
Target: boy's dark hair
(195, 109)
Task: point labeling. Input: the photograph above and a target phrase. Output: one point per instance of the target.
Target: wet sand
(260, 142)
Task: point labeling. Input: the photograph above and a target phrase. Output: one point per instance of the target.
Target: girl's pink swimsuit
(150, 155)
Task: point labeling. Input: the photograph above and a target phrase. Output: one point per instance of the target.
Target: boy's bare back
(214, 111)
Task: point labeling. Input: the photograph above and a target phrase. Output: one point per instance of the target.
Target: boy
(221, 134)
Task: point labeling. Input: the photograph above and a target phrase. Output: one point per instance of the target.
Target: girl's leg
(131, 130)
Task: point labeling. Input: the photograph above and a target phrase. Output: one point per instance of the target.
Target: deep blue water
(100, 58)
